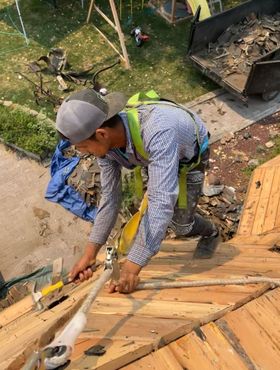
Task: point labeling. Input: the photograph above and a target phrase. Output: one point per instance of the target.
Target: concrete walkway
(33, 230)
(222, 112)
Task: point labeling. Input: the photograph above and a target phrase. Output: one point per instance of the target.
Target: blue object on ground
(59, 192)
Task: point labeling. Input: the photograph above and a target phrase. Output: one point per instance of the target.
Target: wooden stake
(119, 30)
(109, 42)
(90, 10)
(173, 11)
(116, 26)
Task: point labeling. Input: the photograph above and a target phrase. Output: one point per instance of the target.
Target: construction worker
(171, 142)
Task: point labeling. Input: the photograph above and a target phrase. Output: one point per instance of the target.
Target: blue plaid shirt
(168, 134)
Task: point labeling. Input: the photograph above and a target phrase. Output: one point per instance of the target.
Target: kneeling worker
(145, 131)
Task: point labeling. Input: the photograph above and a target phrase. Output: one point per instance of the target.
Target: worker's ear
(101, 134)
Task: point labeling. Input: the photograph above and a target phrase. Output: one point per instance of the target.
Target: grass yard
(161, 63)
(25, 131)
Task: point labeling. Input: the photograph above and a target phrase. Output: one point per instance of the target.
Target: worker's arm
(105, 219)
(162, 196)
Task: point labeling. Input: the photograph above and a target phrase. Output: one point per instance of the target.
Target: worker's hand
(129, 278)
(82, 271)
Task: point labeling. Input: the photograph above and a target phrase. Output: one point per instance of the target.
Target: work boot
(207, 245)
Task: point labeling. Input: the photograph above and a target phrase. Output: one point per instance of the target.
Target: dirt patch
(235, 156)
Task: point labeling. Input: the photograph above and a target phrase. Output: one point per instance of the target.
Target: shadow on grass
(43, 22)
(161, 63)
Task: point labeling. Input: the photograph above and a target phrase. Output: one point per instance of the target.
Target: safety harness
(148, 98)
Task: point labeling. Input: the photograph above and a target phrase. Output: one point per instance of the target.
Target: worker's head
(89, 120)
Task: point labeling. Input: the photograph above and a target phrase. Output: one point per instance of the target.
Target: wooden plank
(266, 240)
(260, 213)
(266, 315)
(256, 343)
(120, 33)
(222, 295)
(251, 203)
(163, 359)
(15, 311)
(118, 354)
(274, 298)
(189, 351)
(143, 307)
(173, 10)
(107, 19)
(144, 363)
(160, 331)
(273, 203)
(277, 220)
(211, 346)
(247, 338)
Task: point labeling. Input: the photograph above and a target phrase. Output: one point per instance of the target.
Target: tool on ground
(139, 36)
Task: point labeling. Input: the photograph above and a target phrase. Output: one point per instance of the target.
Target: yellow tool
(204, 12)
(130, 230)
(52, 293)
(48, 290)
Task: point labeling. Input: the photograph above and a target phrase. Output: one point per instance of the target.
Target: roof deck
(237, 327)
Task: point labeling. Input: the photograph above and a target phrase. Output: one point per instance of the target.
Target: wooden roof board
(261, 212)
(132, 326)
(165, 315)
(247, 338)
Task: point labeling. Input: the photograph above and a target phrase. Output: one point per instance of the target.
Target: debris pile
(15, 294)
(219, 203)
(241, 44)
(55, 63)
(85, 178)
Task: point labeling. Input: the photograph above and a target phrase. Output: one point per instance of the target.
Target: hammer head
(36, 296)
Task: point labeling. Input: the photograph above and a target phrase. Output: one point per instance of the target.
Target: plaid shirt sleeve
(162, 195)
(110, 200)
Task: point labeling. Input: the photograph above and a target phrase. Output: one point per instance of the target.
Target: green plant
(272, 153)
(25, 131)
(130, 202)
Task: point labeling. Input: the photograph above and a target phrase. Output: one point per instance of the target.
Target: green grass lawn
(25, 131)
(161, 63)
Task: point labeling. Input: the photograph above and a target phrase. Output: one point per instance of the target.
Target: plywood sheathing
(247, 338)
(133, 326)
(261, 213)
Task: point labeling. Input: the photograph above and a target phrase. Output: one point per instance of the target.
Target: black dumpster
(255, 72)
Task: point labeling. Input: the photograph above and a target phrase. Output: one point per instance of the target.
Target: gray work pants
(186, 222)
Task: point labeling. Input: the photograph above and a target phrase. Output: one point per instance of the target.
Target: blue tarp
(59, 192)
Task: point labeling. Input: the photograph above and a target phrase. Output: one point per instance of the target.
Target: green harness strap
(151, 97)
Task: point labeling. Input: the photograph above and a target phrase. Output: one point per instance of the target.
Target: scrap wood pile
(241, 44)
(85, 178)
